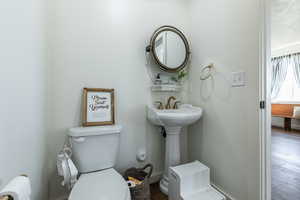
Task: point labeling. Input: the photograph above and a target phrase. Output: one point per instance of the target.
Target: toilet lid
(103, 185)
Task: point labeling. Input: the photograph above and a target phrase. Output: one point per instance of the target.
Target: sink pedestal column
(172, 155)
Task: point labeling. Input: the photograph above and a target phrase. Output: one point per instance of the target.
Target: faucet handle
(176, 104)
(160, 105)
(168, 105)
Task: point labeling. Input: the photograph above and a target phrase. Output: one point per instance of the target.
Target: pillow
(297, 112)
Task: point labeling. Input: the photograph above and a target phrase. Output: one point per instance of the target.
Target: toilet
(94, 152)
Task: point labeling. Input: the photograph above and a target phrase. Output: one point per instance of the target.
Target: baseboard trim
(219, 189)
(281, 125)
(294, 126)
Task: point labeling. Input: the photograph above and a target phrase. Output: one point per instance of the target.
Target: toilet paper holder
(8, 197)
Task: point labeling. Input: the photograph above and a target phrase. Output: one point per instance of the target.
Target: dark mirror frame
(151, 49)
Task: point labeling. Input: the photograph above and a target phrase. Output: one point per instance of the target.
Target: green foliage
(179, 76)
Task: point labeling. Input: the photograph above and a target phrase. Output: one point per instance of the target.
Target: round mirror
(169, 48)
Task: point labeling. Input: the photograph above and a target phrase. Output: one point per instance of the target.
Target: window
(289, 92)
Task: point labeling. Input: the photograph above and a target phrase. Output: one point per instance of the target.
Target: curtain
(279, 71)
(296, 64)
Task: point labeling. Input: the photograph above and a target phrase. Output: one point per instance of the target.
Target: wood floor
(285, 165)
(156, 194)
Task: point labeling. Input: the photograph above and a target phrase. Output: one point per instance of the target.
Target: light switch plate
(238, 79)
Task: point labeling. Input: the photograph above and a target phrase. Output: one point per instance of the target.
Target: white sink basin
(173, 121)
(184, 116)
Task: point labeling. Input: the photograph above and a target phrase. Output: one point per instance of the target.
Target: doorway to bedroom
(285, 99)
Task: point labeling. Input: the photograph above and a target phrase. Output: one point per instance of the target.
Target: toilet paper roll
(19, 188)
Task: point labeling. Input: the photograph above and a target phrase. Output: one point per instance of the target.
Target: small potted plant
(179, 77)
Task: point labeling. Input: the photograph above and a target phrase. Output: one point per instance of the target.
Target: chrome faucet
(168, 105)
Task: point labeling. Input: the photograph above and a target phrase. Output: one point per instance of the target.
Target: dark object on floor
(156, 194)
(141, 191)
(285, 165)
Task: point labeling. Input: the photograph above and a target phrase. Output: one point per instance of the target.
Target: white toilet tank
(94, 148)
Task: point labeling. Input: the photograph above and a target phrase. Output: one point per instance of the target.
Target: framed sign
(98, 107)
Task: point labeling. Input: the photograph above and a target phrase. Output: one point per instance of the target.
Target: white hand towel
(67, 170)
(73, 173)
(19, 188)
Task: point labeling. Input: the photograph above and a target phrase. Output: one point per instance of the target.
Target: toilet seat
(103, 185)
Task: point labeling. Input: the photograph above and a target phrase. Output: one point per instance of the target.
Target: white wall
(227, 138)
(22, 103)
(287, 49)
(284, 23)
(279, 122)
(102, 44)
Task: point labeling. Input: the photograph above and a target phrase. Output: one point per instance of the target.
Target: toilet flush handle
(79, 139)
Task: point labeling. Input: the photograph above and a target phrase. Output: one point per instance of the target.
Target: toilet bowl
(103, 185)
(94, 153)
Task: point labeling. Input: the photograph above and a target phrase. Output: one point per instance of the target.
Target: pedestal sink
(173, 121)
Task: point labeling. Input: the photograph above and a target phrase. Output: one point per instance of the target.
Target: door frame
(265, 95)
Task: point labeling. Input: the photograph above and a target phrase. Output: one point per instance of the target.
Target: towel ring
(206, 72)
